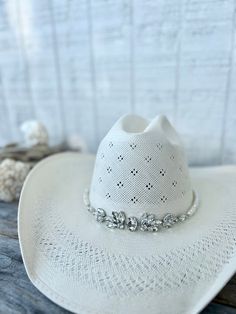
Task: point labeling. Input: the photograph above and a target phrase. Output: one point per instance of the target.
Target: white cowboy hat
(77, 246)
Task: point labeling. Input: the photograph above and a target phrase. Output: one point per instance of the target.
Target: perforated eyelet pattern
(134, 172)
(149, 186)
(133, 146)
(134, 200)
(120, 184)
(142, 173)
(148, 159)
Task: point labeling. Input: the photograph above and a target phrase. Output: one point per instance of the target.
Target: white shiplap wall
(78, 65)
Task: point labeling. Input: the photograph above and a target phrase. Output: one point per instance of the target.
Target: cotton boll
(12, 177)
(35, 133)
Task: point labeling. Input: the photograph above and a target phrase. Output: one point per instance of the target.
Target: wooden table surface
(18, 295)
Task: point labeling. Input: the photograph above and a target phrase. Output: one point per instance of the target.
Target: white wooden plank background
(78, 65)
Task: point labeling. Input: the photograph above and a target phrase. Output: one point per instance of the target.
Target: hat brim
(87, 268)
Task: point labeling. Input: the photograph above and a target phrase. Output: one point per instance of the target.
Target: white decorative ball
(34, 133)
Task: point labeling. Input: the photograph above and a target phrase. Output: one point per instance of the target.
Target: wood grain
(19, 296)
(79, 65)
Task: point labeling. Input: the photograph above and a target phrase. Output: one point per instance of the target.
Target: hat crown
(141, 167)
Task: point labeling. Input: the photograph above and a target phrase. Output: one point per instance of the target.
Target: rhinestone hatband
(147, 221)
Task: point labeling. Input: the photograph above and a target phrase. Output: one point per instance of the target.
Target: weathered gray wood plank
(19, 296)
(228, 293)
(214, 308)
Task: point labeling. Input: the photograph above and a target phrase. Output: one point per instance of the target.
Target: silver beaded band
(147, 222)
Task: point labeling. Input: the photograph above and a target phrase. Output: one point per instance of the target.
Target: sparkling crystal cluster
(147, 222)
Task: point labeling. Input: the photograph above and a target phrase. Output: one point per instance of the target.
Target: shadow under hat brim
(73, 260)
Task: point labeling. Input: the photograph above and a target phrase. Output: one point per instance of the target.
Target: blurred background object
(17, 159)
(78, 65)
